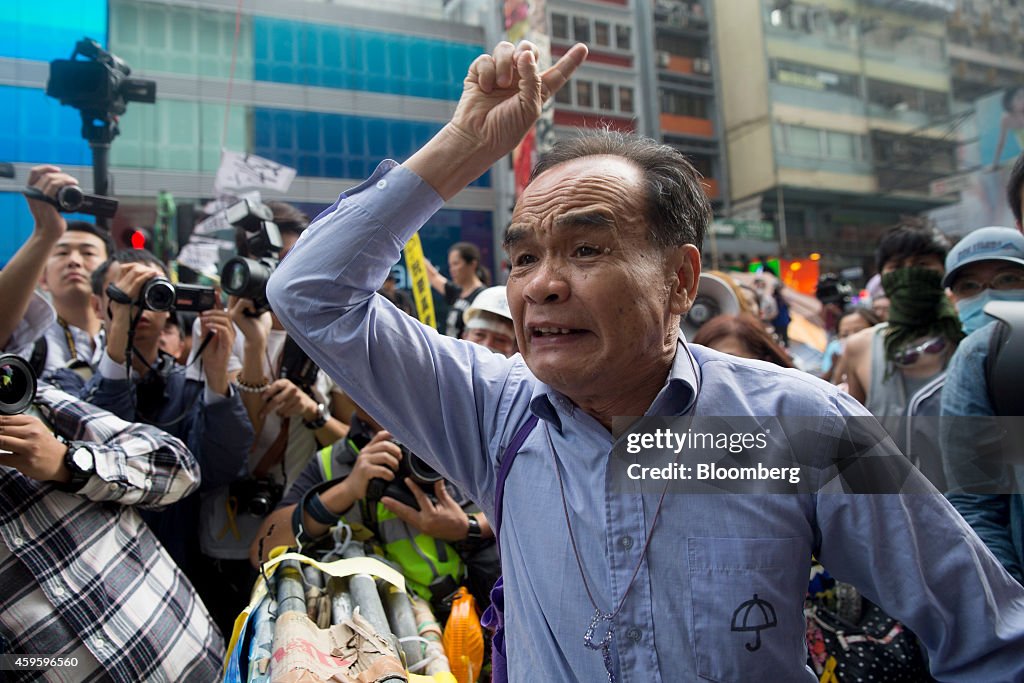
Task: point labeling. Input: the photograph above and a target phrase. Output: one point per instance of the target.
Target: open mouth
(553, 332)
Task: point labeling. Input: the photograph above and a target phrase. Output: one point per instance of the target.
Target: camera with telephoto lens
(158, 294)
(412, 466)
(17, 385)
(258, 240)
(256, 496)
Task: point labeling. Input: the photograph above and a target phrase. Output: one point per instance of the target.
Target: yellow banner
(419, 282)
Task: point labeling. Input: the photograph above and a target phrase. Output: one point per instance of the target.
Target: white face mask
(972, 313)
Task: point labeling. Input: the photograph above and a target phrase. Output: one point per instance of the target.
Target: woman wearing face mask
(987, 265)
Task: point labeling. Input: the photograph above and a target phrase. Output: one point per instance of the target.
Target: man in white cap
(489, 322)
(985, 266)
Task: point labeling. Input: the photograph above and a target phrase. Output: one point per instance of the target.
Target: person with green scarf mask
(891, 363)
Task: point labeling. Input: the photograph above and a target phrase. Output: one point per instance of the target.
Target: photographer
(60, 255)
(439, 541)
(293, 407)
(208, 415)
(80, 574)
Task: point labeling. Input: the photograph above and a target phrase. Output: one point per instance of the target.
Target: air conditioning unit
(702, 66)
(663, 59)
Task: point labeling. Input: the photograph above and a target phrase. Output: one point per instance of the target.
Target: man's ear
(97, 306)
(684, 261)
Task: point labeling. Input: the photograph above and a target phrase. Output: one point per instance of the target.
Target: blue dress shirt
(710, 553)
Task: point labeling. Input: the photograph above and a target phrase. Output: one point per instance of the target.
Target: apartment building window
(581, 29)
(819, 144)
(625, 99)
(813, 78)
(605, 97)
(900, 97)
(602, 33)
(559, 26)
(623, 34)
(563, 96)
(684, 104)
(584, 94)
(680, 46)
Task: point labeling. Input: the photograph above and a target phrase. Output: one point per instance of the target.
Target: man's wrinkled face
(594, 302)
(68, 271)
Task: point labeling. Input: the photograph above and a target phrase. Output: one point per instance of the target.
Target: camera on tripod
(258, 240)
(412, 466)
(256, 496)
(17, 385)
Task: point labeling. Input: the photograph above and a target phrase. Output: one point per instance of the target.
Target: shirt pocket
(747, 605)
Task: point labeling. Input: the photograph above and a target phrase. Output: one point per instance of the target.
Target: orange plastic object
(463, 638)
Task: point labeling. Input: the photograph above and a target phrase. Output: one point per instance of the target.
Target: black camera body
(159, 294)
(259, 244)
(17, 384)
(256, 496)
(71, 199)
(411, 466)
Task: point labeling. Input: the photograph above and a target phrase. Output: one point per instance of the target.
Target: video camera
(258, 240)
(412, 466)
(71, 199)
(99, 86)
(17, 385)
(159, 294)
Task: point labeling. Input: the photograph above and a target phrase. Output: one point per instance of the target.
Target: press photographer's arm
(19, 277)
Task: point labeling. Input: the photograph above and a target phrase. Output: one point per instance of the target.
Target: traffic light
(138, 238)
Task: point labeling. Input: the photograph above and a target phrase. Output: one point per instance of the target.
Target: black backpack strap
(507, 458)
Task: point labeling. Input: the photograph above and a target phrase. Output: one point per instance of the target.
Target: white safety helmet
(491, 300)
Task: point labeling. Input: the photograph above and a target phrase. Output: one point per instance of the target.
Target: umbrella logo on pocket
(754, 615)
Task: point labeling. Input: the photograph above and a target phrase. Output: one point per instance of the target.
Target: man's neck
(77, 315)
(631, 401)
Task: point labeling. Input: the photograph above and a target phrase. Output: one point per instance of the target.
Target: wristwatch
(322, 415)
(81, 463)
(474, 533)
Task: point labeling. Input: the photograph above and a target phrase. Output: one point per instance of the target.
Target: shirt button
(149, 483)
(99, 642)
(381, 184)
(626, 542)
(113, 487)
(18, 541)
(634, 634)
(58, 591)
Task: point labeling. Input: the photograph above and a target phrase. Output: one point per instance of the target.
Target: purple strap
(507, 458)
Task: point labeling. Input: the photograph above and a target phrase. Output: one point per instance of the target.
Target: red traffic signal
(138, 238)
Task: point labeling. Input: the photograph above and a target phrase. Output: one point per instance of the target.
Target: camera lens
(245, 277)
(259, 506)
(70, 197)
(422, 473)
(158, 294)
(17, 385)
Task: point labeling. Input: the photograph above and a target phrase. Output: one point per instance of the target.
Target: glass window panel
(623, 35)
(626, 99)
(602, 33)
(605, 98)
(841, 145)
(804, 141)
(584, 94)
(581, 29)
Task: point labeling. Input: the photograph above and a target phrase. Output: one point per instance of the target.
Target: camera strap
(275, 454)
(39, 195)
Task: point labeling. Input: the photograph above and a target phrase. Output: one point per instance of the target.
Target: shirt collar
(676, 397)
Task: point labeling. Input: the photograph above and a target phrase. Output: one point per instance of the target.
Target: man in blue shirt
(604, 579)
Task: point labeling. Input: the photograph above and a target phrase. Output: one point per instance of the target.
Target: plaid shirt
(113, 591)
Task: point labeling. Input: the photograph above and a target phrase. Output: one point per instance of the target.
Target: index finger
(559, 74)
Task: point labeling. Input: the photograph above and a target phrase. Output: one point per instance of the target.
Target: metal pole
(100, 174)
(341, 601)
(403, 623)
(291, 596)
(363, 589)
